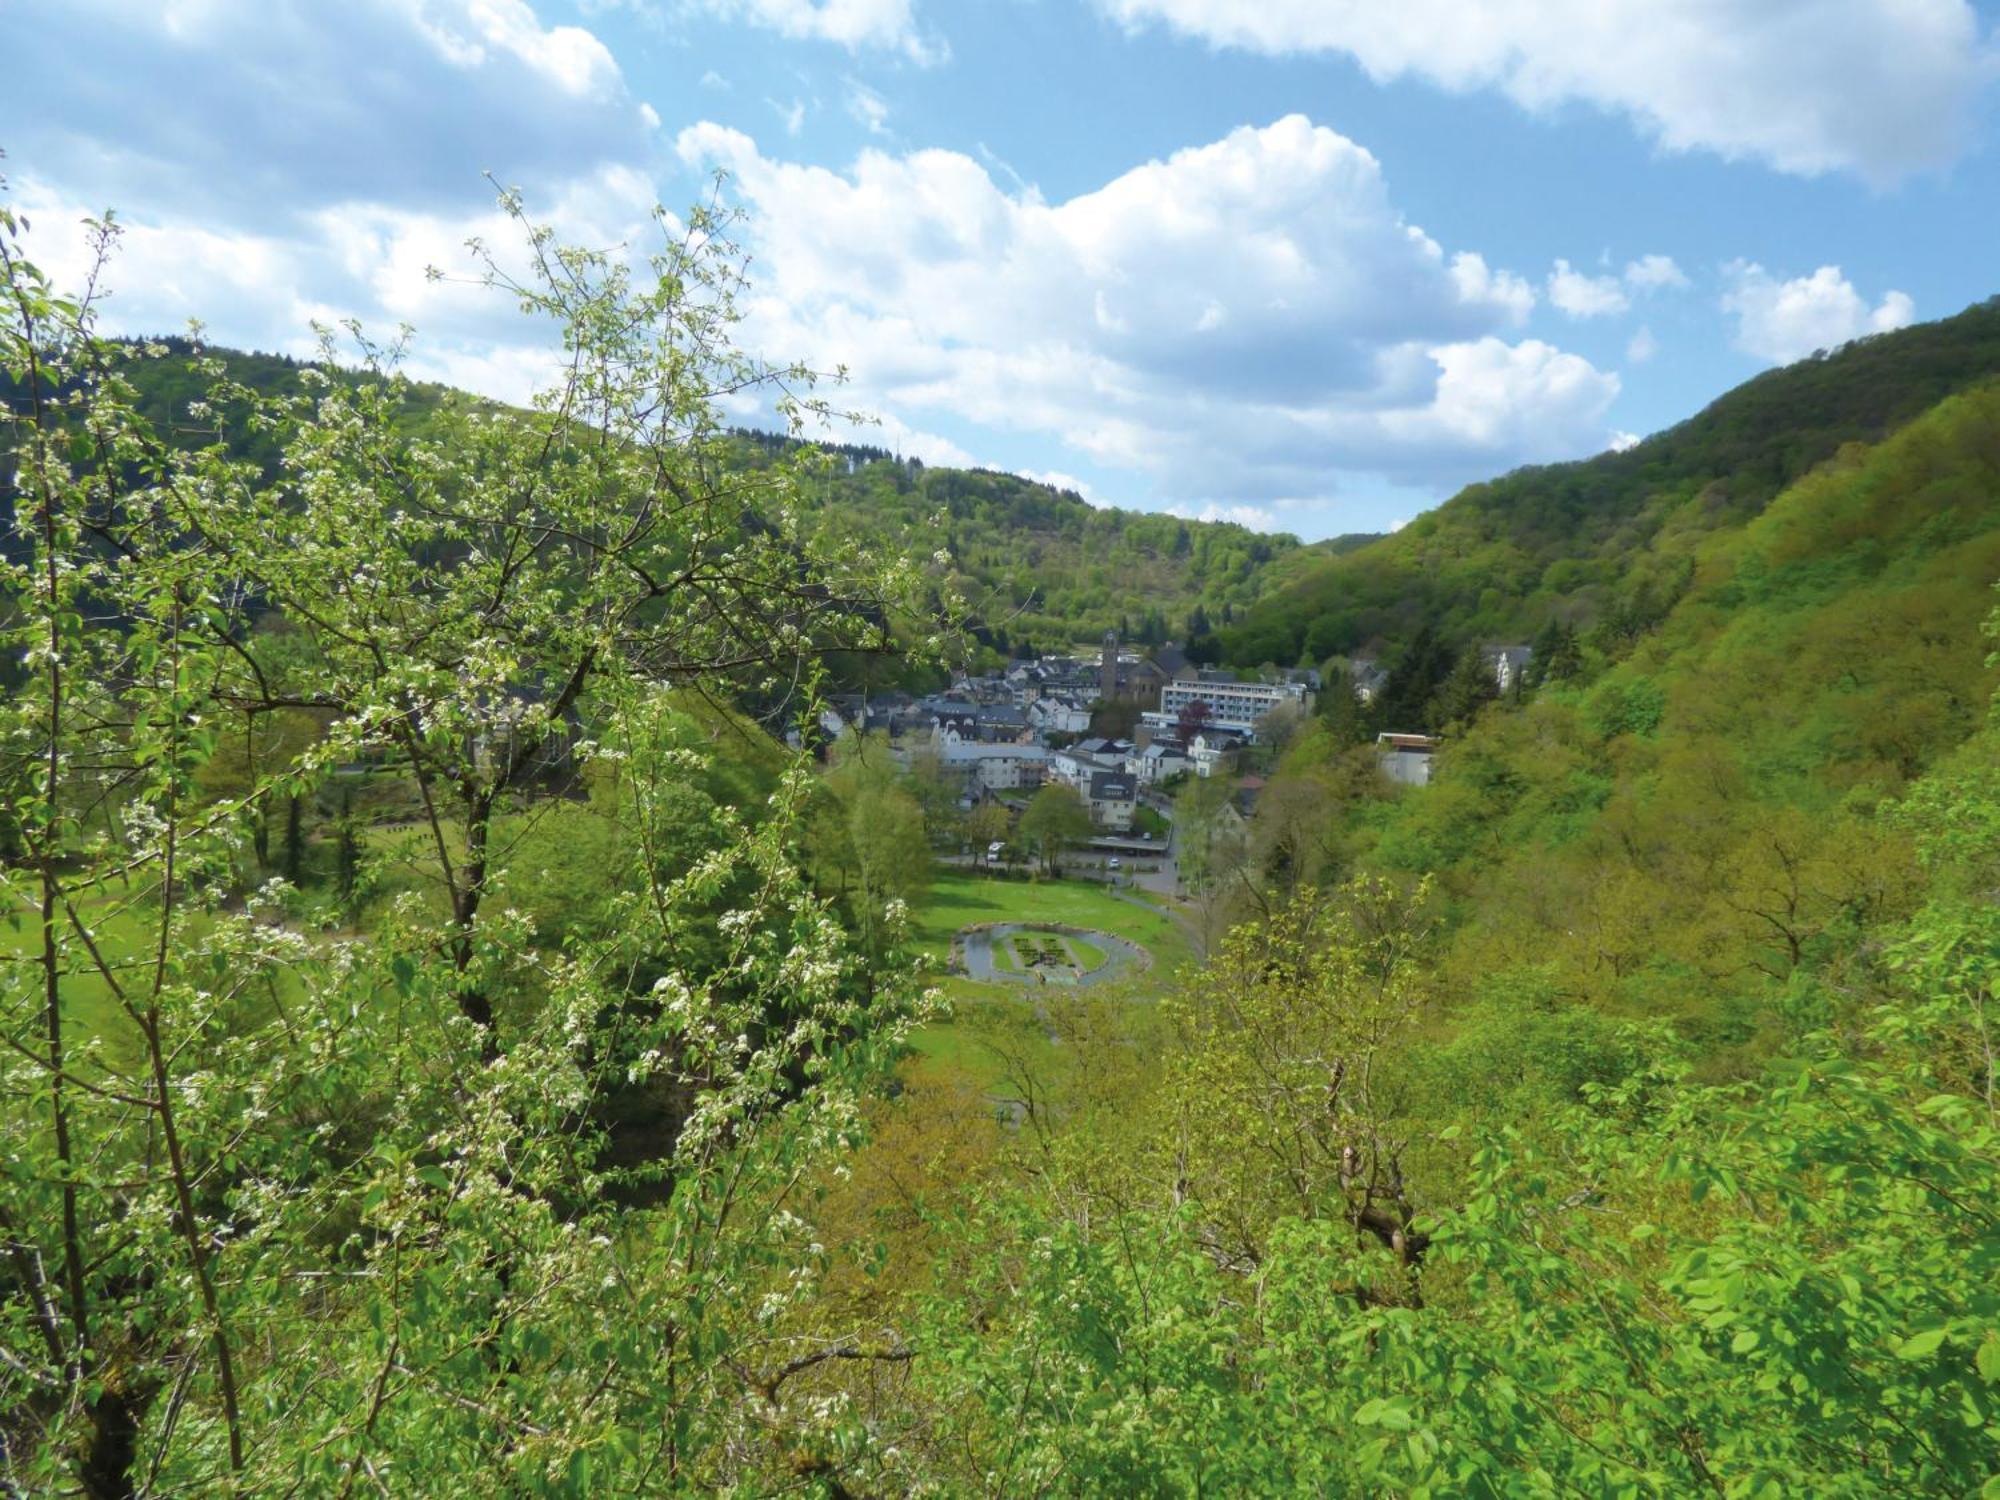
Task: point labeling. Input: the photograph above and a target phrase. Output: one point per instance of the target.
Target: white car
(1112, 863)
(993, 850)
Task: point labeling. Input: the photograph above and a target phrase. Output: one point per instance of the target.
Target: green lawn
(991, 1022)
(959, 899)
(1088, 954)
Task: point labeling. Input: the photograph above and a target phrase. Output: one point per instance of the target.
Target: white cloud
(264, 290)
(869, 109)
(888, 25)
(1877, 87)
(1478, 283)
(1256, 517)
(1782, 321)
(1585, 296)
(1056, 479)
(133, 102)
(468, 36)
(1243, 319)
(1652, 273)
(1642, 347)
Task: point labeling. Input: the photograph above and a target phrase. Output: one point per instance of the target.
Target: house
(1055, 715)
(955, 729)
(1367, 676)
(1071, 767)
(894, 712)
(1077, 763)
(1209, 751)
(1111, 797)
(1112, 751)
(1508, 663)
(1406, 758)
(1002, 723)
(1157, 762)
(1245, 796)
(995, 768)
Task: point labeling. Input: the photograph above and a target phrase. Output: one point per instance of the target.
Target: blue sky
(1312, 264)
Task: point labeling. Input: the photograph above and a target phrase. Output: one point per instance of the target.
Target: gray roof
(1109, 786)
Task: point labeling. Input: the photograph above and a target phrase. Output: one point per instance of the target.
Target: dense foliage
(447, 1040)
(1042, 568)
(1605, 543)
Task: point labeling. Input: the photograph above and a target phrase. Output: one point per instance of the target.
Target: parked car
(995, 849)
(1111, 863)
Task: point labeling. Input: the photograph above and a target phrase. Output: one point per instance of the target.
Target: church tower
(1107, 668)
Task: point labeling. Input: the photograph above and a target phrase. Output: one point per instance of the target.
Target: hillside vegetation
(450, 1040)
(1609, 541)
(1038, 565)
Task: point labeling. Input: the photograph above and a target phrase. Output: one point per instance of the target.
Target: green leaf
(1920, 1345)
(1744, 1342)
(1988, 1359)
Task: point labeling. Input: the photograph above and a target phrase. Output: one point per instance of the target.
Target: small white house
(1208, 749)
(1157, 762)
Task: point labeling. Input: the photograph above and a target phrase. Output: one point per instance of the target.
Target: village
(1124, 729)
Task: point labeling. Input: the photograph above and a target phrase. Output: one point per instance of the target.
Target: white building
(996, 768)
(1058, 716)
(1207, 749)
(1232, 706)
(1157, 762)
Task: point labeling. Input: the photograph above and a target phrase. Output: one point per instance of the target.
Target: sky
(1311, 265)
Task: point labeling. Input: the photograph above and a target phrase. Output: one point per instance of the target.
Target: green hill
(1672, 832)
(1611, 540)
(1041, 566)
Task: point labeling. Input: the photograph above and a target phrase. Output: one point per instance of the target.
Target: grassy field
(1088, 954)
(958, 899)
(995, 1027)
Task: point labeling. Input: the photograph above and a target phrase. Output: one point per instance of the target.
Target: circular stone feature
(1048, 953)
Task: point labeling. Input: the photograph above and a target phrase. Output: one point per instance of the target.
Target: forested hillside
(1038, 566)
(1044, 568)
(1608, 541)
(1613, 1115)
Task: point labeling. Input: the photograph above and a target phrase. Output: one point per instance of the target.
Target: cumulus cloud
(1246, 318)
(1056, 479)
(1653, 273)
(1479, 283)
(887, 25)
(367, 260)
(1781, 321)
(1878, 87)
(386, 101)
(1643, 347)
(1584, 296)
